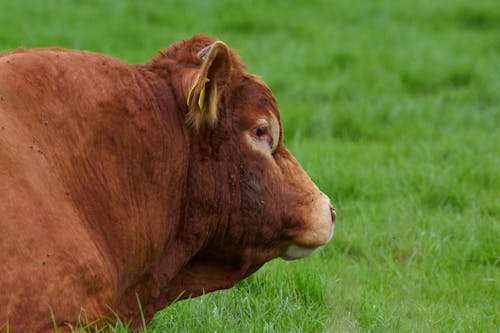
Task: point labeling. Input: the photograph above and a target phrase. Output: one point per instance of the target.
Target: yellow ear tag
(188, 101)
(201, 99)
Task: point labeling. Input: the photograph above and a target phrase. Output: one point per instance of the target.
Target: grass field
(393, 107)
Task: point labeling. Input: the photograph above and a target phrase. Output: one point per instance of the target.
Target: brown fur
(106, 194)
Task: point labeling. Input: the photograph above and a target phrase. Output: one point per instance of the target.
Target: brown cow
(123, 183)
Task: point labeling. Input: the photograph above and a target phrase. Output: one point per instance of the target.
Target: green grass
(393, 107)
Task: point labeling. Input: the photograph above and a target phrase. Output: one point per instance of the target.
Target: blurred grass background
(392, 107)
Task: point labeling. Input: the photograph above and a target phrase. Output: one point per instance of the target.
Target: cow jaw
(317, 234)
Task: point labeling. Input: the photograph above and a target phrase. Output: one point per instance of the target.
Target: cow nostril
(334, 214)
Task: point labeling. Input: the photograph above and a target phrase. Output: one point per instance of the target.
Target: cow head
(248, 200)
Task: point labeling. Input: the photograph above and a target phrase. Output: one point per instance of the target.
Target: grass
(392, 107)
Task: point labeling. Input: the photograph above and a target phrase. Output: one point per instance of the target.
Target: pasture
(392, 107)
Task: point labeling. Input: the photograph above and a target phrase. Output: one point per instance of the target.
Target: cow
(126, 187)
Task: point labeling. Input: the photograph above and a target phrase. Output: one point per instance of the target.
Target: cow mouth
(306, 242)
(295, 251)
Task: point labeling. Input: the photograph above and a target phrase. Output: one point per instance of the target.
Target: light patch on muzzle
(295, 251)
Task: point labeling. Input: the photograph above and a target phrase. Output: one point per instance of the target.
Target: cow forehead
(253, 100)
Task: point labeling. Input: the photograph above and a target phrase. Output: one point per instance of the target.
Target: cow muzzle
(319, 226)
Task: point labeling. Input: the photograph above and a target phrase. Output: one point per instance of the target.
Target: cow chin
(295, 251)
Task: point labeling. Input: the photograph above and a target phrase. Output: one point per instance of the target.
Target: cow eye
(262, 133)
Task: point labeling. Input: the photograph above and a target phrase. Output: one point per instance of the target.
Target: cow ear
(208, 84)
